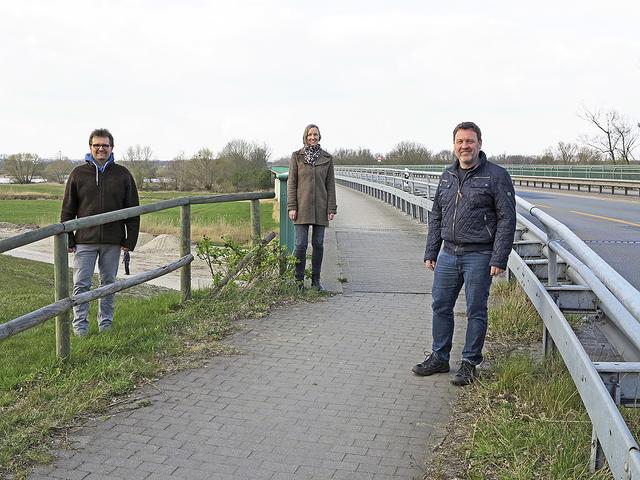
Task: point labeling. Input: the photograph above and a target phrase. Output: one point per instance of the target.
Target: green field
(39, 204)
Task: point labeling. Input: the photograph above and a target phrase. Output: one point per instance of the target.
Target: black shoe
(431, 365)
(465, 375)
(316, 284)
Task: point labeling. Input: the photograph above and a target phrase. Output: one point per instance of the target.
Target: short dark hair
(101, 132)
(468, 126)
(306, 131)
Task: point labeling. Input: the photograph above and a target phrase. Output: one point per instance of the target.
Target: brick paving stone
(322, 390)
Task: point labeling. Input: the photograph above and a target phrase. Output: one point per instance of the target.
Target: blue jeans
(317, 242)
(452, 271)
(84, 264)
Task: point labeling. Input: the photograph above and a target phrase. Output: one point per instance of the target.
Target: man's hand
(71, 249)
(293, 214)
(496, 271)
(330, 216)
(124, 249)
(430, 265)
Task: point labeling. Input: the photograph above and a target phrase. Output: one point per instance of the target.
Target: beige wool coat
(311, 189)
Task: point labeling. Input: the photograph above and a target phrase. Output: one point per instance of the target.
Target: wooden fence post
(61, 280)
(185, 249)
(255, 221)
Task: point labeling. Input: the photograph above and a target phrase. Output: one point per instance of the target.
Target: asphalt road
(609, 225)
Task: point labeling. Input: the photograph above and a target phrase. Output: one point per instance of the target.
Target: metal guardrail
(604, 171)
(408, 176)
(558, 280)
(64, 302)
(613, 186)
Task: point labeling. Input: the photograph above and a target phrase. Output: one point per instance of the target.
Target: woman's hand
(330, 216)
(293, 214)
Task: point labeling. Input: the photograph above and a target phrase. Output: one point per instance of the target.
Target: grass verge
(41, 397)
(523, 419)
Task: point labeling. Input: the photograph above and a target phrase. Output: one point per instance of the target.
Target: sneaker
(465, 375)
(80, 333)
(431, 365)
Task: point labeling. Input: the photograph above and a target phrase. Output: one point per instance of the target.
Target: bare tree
(139, 161)
(409, 153)
(242, 166)
(349, 156)
(22, 167)
(588, 156)
(565, 152)
(202, 169)
(443, 156)
(628, 138)
(617, 139)
(177, 170)
(58, 170)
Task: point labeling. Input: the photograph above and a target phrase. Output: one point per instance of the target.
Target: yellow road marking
(617, 220)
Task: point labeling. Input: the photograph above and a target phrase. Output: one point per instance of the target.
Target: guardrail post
(255, 221)
(287, 238)
(548, 344)
(185, 249)
(598, 459)
(61, 280)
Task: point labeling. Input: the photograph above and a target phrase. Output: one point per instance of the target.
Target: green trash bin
(287, 231)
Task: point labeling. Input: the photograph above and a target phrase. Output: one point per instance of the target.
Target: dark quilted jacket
(479, 215)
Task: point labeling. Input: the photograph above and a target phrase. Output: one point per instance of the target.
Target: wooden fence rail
(43, 314)
(64, 303)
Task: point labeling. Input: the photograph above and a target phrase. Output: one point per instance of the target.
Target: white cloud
(182, 75)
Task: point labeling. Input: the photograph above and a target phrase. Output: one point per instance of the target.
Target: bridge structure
(319, 390)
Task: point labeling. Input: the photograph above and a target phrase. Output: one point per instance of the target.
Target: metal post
(255, 221)
(185, 249)
(598, 459)
(287, 229)
(61, 280)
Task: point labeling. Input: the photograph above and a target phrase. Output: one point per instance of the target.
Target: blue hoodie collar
(89, 158)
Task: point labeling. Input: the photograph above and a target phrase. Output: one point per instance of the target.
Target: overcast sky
(182, 75)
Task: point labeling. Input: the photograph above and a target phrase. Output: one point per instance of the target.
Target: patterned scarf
(311, 153)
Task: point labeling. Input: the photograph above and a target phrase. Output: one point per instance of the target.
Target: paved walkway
(321, 391)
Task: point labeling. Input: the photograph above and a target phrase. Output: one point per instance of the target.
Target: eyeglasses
(98, 146)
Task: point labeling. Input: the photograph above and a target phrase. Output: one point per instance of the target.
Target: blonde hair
(306, 132)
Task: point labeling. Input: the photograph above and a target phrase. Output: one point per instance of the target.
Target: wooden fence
(64, 302)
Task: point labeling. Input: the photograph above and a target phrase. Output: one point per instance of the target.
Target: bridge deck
(321, 391)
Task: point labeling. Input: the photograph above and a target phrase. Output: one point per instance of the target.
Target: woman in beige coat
(311, 200)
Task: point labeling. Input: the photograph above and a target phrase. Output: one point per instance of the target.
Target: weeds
(523, 418)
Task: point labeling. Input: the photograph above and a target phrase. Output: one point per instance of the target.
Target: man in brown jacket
(99, 186)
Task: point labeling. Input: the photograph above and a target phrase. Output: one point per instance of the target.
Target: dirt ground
(151, 252)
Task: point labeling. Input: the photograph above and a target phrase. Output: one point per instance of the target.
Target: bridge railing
(604, 171)
(419, 180)
(64, 302)
(557, 281)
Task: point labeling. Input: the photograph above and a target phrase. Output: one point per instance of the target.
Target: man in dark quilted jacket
(471, 229)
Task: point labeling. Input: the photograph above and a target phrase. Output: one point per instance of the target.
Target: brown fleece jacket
(88, 193)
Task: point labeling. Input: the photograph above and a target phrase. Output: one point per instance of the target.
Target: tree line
(240, 166)
(244, 166)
